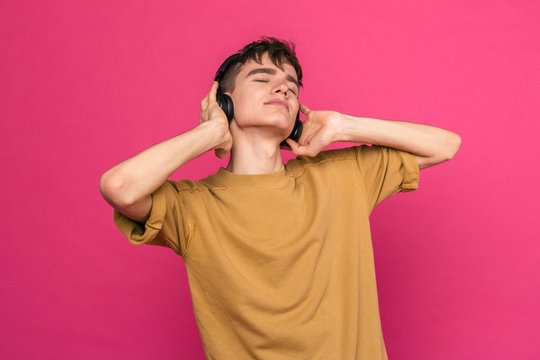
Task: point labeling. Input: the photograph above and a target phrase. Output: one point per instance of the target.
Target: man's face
(266, 96)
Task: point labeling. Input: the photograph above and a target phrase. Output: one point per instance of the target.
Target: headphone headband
(220, 73)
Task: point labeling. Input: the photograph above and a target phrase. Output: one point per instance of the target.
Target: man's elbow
(447, 151)
(452, 144)
(111, 188)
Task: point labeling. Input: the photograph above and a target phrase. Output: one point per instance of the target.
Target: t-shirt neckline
(267, 180)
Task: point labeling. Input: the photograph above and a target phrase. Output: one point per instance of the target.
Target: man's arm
(128, 186)
(430, 144)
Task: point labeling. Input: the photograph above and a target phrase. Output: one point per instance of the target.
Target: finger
(304, 109)
(213, 91)
(292, 144)
(295, 147)
(202, 114)
(306, 150)
(308, 133)
(201, 117)
(303, 140)
(204, 103)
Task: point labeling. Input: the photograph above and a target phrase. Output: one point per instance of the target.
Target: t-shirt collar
(267, 180)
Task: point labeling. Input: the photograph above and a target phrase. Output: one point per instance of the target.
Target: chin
(276, 121)
(279, 121)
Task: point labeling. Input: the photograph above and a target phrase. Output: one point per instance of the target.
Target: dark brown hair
(278, 51)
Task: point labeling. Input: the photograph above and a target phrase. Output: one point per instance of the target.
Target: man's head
(278, 51)
(263, 83)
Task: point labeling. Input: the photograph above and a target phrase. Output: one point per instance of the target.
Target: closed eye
(262, 80)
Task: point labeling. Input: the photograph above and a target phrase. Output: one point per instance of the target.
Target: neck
(255, 156)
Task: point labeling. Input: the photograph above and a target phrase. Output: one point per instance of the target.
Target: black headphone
(226, 104)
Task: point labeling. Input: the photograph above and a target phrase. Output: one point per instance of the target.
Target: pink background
(86, 84)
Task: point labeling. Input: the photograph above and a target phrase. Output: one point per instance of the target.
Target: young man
(279, 257)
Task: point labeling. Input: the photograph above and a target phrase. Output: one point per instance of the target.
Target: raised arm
(128, 186)
(430, 144)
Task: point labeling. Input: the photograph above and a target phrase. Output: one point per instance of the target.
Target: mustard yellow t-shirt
(280, 265)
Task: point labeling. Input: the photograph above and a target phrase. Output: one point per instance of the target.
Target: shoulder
(188, 186)
(205, 185)
(325, 159)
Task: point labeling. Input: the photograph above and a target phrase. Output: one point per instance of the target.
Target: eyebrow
(272, 72)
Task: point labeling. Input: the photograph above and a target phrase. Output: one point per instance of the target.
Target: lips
(278, 102)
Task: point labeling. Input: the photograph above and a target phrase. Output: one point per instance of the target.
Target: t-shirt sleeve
(167, 224)
(386, 171)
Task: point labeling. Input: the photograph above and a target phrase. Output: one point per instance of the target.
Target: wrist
(343, 127)
(352, 128)
(216, 132)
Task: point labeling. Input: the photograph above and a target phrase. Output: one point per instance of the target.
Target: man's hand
(320, 130)
(212, 114)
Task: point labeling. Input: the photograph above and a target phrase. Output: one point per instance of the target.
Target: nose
(281, 88)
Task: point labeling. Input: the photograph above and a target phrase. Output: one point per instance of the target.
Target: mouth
(278, 103)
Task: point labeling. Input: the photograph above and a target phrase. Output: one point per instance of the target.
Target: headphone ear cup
(295, 133)
(225, 103)
(297, 129)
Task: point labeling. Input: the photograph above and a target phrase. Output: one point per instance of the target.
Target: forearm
(144, 173)
(421, 140)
